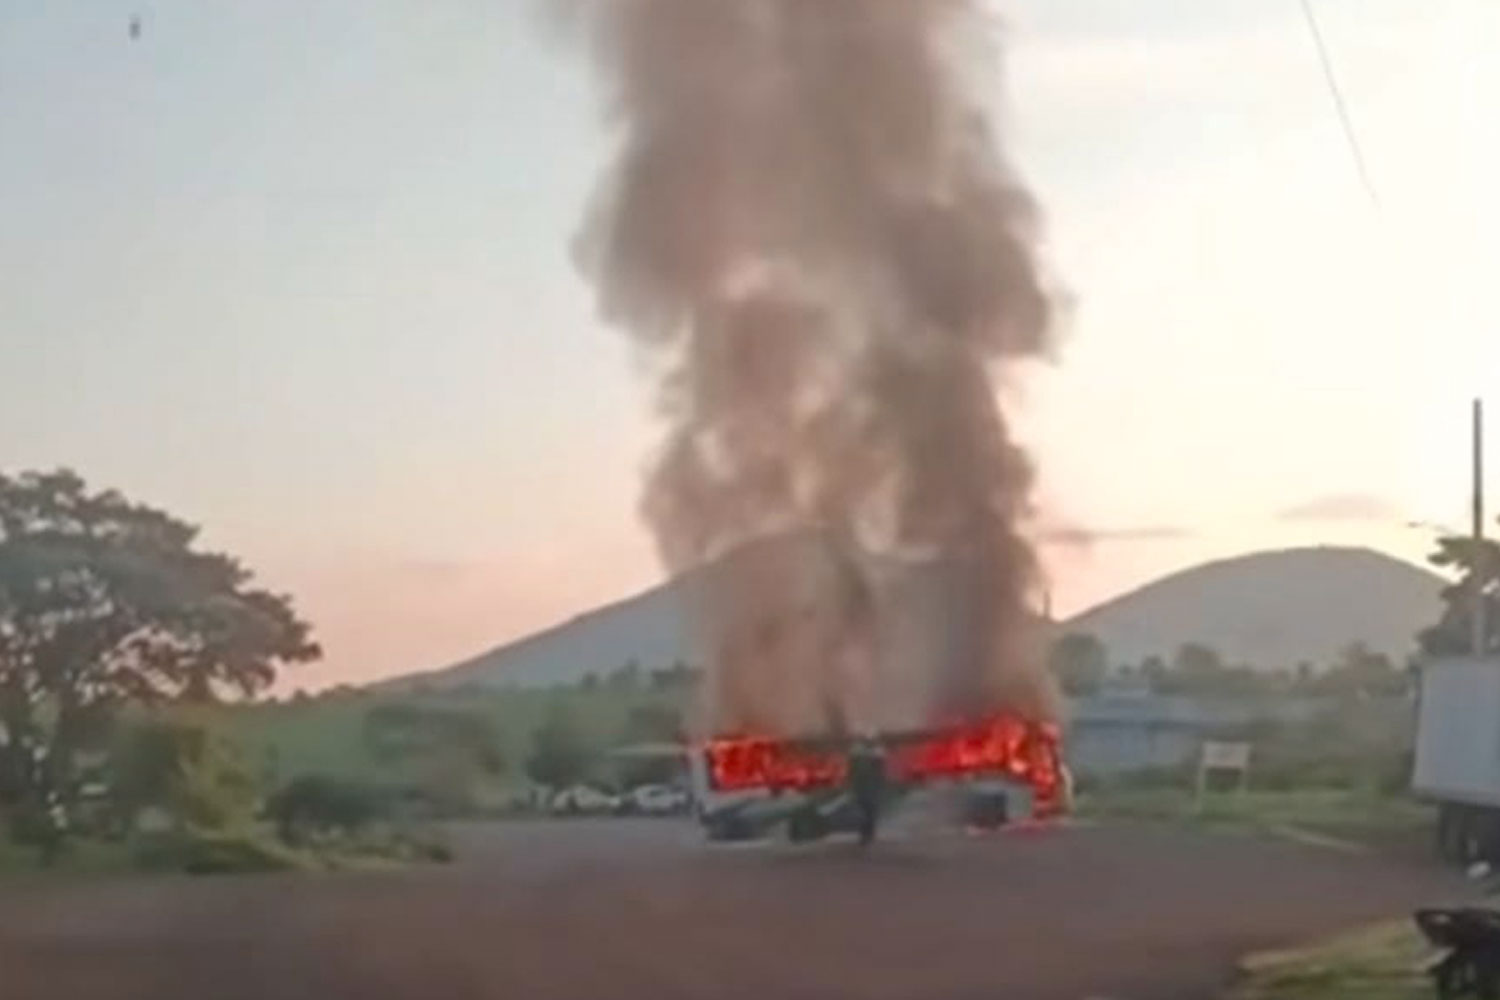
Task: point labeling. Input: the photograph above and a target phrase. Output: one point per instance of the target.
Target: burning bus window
(1004, 745)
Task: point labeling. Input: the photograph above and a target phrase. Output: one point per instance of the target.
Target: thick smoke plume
(813, 232)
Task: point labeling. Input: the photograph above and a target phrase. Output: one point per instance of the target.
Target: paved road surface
(639, 909)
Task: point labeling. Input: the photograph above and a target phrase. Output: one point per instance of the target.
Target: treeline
(474, 750)
(1082, 664)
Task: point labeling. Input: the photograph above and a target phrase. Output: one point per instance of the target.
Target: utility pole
(1480, 568)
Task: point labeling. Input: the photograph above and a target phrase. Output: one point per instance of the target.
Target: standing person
(867, 785)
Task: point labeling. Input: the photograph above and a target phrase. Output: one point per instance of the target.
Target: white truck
(1457, 760)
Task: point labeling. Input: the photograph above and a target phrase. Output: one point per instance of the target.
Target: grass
(1335, 816)
(81, 859)
(240, 850)
(1381, 962)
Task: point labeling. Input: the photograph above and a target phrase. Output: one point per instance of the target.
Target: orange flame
(1003, 745)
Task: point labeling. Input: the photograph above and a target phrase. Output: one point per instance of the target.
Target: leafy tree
(1362, 673)
(1198, 670)
(450, 747)
(1080, 662)
(1476, 565)
(104, 603)
(320, 804)
(676, 677)
(214, 787)
(1154, 670)
(651, 723)
(559, 756)
(185, 767)
(1194, 659)
(627, 678)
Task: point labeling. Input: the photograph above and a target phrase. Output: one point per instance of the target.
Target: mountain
(1269, 609)
(649, 628)
(1273, 609)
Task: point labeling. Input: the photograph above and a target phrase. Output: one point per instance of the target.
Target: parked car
(658, 800)
(584, 799)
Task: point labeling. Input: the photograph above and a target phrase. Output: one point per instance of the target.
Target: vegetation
(1477, 565)
(442, 751)
(335, 735)
(1081, 663)
(217, 852)
(316, 806)
(1381, 962)
(105, 605)
(123, 647)
(559, 756)
(1334, 816)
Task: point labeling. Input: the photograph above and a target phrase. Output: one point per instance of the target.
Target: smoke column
(813, 233)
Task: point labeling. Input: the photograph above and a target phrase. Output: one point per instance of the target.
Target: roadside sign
(1226, 756)
(1217, 756)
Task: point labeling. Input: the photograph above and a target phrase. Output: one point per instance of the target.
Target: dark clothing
(867, 787)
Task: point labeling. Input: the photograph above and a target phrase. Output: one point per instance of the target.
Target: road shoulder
(1382, 961)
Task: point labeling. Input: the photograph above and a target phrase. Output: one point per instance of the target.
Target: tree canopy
(559, 755)
(106, 602)
(1476, 564)
(449, 747)
(1080, 662)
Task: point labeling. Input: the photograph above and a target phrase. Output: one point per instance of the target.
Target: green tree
(678, 677)
(104, 603)
(652, 723)
(1304, 675)
(559, 756)
(450, 748)
(1362, 673)
(214, 787)
(1476, 565)
(1154, 671)
(175, 762)
(1080, 662)
(1195, 660)
(1198, 669)
(626, 678)
(320, 804)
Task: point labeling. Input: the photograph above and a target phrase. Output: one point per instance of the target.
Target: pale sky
(299, 272)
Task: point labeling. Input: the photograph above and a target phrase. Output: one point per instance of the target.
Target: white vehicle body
(1457, 759)
(658, 800)
(584, 799)
(1458, 732)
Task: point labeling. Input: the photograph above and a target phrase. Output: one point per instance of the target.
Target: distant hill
(1273, 609)
(650, 628)
(1269, 609)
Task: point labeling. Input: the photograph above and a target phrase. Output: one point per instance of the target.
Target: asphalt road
(595, 910)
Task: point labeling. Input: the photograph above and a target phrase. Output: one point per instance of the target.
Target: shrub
(184, 766)
(318, 804)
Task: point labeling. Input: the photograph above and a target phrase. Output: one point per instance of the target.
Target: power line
(1339, 104)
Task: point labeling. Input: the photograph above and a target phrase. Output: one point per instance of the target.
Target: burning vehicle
(812, 233)
(1001, 769)
(848, 683)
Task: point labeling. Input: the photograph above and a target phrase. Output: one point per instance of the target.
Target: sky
(301, 274)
